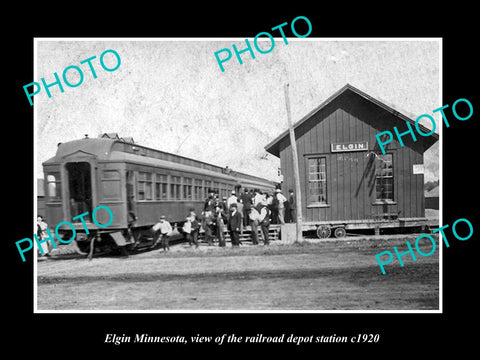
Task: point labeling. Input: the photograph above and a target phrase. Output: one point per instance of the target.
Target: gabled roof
(273, 146)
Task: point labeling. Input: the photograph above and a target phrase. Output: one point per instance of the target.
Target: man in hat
(220, 221)
(162, 231)
(208, 226)
(209, 202)
(234, 225)
(254, 217)
(291, 206)
(195, 225)
(264, 220)
(246, 200)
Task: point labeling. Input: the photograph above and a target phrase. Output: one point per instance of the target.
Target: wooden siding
(351, 175)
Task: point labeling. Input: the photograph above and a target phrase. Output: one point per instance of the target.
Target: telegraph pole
(296, 174)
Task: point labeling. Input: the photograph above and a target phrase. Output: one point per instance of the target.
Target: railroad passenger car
(137, 183)
(346, 181)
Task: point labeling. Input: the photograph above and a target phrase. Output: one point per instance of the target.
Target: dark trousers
(246, 218)
(209, 234)
(254, 225)
(165, 241)
(274, 215)
(193, 236)
(235, 236)
(264, 226)
(163, 238)
(220, 234)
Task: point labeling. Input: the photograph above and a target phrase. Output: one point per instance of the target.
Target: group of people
(252, 208)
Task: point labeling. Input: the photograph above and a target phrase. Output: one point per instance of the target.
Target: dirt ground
(316, 275)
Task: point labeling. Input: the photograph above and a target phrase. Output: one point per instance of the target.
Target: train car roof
(106, 149)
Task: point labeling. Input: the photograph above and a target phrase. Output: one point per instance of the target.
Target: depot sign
(351, 146)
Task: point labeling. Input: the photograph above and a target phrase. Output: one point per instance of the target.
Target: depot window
(384, 177)
(317, 181)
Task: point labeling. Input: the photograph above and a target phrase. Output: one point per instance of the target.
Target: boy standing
(162, 231)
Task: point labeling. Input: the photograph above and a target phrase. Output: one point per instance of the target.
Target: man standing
(246, 200)
(195, 227)
(162, 231)
(220, 220)
(281, 206)
(209, 202)
(292, 203)
(208, 225)
(234, 224)
(254, 217)
(264, 220)
(42, 234)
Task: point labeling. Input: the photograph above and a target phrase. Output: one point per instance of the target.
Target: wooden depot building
(346, 181)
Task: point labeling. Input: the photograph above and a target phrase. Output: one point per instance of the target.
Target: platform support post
(296, 175)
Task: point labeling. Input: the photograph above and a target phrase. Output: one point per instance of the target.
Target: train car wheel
(324, 231)
(340, 232)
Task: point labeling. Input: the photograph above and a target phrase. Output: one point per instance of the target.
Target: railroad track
(71, 251)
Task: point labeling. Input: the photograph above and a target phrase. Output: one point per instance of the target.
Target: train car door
(79, 178)
(78, 172)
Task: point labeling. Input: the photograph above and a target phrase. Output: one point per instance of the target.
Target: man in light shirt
(281, 206)
(264, 221)
(162, 231)
(254, 217)
(257, 198)
(232, 200)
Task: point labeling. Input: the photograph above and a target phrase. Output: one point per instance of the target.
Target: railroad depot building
(346, 182)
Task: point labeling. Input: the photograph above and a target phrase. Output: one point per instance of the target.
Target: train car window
(144, 187)
(161, 187)
(187, 188)
(175, 188)
(197, 190)
(148, 186)
(216, 187)
(207, 187)
(224, 190)
(54, 187)
(111, 184)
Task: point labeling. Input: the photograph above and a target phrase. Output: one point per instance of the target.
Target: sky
(170, 94)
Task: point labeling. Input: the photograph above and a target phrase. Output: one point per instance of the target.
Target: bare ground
(316, 275)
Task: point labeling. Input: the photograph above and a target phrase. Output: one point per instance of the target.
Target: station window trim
(317, 181)
(384, 179)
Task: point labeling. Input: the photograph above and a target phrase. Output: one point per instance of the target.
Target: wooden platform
(245, 235)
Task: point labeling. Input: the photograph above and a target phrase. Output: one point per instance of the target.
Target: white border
(439, 311)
